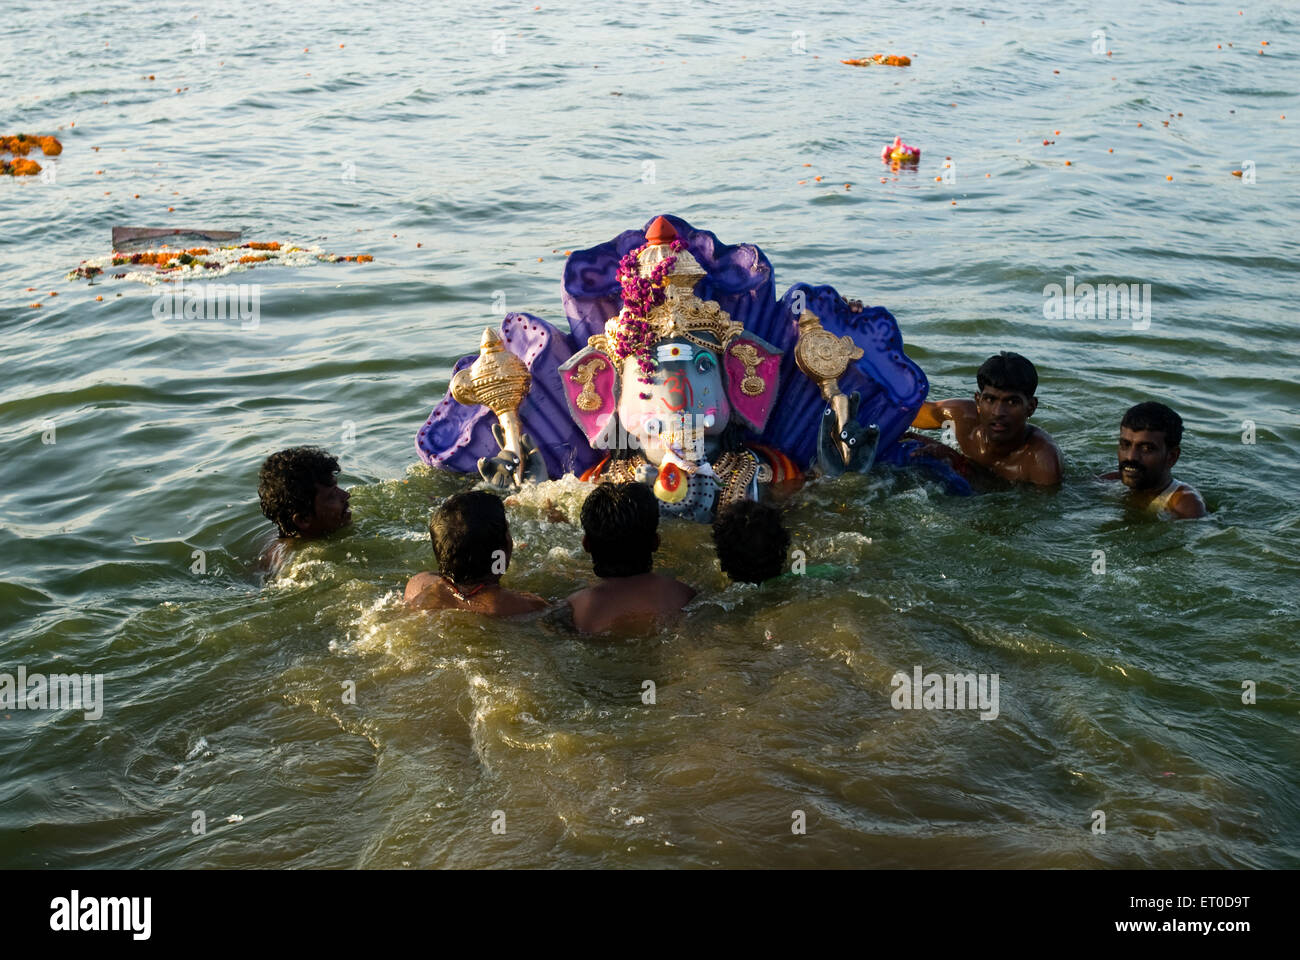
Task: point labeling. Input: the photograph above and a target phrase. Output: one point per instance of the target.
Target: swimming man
(993, 429)
(471, 540)
(1150, 443)
(620, 524)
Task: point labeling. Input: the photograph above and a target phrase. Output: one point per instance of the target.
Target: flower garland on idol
(634, 336)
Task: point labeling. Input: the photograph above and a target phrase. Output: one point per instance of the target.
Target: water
(472, 171)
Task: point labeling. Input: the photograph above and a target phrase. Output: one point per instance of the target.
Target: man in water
(751, 541)
(471, 541)
(620, 524)
(300, 494)
(993, 429)
(1150, 442)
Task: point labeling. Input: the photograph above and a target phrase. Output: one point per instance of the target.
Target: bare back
(628, 603)
(428, 591)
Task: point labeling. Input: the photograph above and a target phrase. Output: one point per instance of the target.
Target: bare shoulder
(1046, 466)
(274, 556)
(521, 602)
(1187, 502)
(580, 601)
(417, 585)
(680, 593)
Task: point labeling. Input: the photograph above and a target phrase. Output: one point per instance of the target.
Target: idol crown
(681, 315)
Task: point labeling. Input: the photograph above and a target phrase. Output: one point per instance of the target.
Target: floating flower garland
(20, 167)
(20, 146)
(892, 60)
(634, 337)
(170, 265)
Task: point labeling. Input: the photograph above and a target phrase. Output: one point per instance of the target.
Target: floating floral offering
(900, 152)
(164, 265)
(20, 167)
(21, 145)
(890, 60)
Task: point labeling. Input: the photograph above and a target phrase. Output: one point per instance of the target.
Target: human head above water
(471, 537)
(751, 542)
(300, 494)
(1005, 399)
(1150, 442)
(620, 526)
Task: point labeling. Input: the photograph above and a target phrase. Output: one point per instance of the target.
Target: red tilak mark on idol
(678, 387)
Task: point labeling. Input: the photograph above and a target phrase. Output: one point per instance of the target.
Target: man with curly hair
(299, 492)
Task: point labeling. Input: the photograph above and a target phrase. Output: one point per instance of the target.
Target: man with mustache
(993, 429)
(1150, 439)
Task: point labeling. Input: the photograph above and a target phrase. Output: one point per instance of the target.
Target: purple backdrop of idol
(740, 279)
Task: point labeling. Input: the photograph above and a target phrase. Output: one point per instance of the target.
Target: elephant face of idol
(695, 391)
(683, 407)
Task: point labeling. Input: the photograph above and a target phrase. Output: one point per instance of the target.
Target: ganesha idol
(681, 370)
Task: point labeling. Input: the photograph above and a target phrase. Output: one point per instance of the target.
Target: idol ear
(753, 369)
(590, 382)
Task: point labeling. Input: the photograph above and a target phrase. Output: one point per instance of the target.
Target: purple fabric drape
(455, 436)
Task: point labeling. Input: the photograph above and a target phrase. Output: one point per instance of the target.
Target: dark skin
(329, 512)
(428, 591)
(1145, 467)
(994, 433)
(622, 604)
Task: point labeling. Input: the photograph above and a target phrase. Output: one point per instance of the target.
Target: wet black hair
(621, 521)
(467, 530)
(286, 484)
(751, 541)
(1151, 415)
(1008, 371)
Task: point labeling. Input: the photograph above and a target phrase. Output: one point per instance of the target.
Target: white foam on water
(566, 495)
(300, 572)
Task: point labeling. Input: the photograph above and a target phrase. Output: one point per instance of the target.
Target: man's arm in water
(933, 415)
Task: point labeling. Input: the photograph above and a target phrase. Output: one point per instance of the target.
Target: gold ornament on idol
(823, 358)
(499, 381)
(588, 399)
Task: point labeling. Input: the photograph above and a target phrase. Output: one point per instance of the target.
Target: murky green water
(1118, 692)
